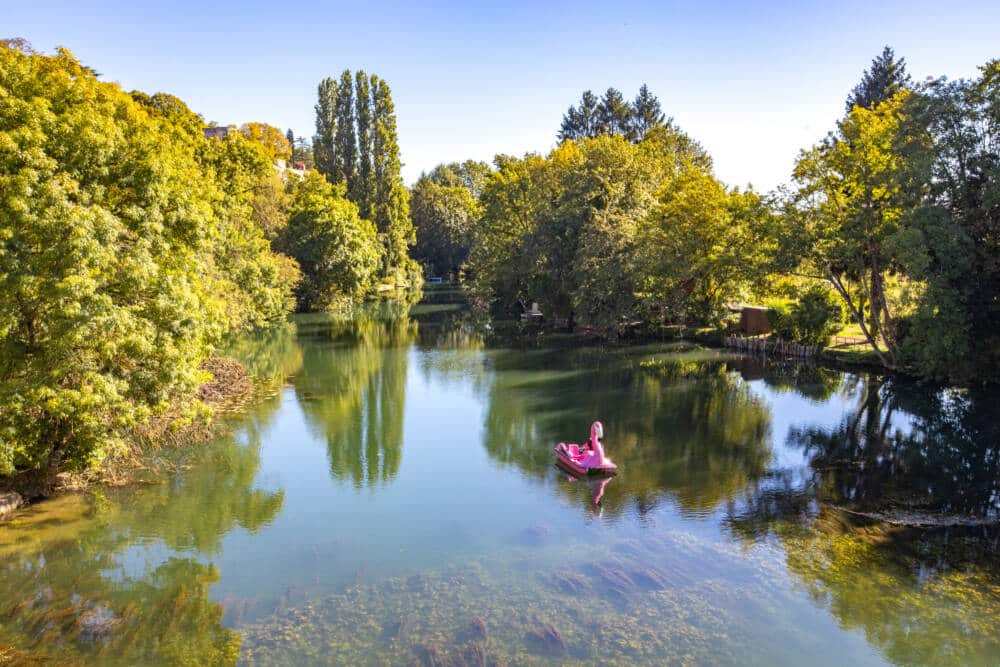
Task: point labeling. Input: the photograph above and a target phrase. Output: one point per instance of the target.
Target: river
(393, 500)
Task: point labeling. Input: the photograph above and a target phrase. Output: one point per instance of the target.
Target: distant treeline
(896, 215)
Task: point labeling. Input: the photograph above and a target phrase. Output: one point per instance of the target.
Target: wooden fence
(764, 347)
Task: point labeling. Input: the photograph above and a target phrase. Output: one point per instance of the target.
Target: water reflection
(902, 453)
(740, 528)
(119, 579)
(923, 597)
(352, 388)
(679, 425)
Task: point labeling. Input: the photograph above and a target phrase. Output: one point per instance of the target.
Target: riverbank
(518, 334)
(229, 390)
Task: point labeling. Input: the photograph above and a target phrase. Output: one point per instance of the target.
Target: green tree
(337, 250)
(700, 246)
(324, 143)
(365, 186)
(443, 216)
(251, 211)
(106, 226)
(573, 232)
(345, 140)
(951, 242)
(470, 174)
(391, 198)
(646, 114)
(510, 201)
(884, 79)
(853, 193)
(614, 114)
(581, 121)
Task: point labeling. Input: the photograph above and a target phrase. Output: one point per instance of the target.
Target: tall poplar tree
(324, 152)
(363, 113)
(345, 140)
(391, 204)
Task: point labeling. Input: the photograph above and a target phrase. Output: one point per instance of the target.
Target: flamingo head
(596, 431)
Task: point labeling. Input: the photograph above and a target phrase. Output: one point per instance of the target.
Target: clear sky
(754, 84)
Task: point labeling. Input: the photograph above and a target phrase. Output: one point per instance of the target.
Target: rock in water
(9, 502)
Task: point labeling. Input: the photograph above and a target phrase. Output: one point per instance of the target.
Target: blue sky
(754, 84)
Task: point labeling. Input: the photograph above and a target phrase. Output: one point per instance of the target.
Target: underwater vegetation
(623, 604)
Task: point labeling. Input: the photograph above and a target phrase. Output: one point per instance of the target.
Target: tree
(337, 250)
(443, 210)
(511, 200)
(364, 189)
(273, 141)
(567, 230)
(251, 211)
(582, 121)
(853, 192)
(290, 138)
(391, 199)
(129, 246)
(952, 242)
(324, 144)
(885, 78)
(173, 109)
(345, 140)
(646, 114)
(614, 114)
(471, 175)
(364, 157)
(699, 246)
(105, 223)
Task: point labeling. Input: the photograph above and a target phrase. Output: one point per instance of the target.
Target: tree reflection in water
(71, 588)
(678, 425)
(922, 582)
(352, 388)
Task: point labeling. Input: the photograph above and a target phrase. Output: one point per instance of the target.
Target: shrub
(781, 319)
(818, 315)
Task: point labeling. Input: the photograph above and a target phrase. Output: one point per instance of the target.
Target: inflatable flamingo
(588, 459)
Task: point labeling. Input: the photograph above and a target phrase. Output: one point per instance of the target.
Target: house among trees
(218, 132)
(753, 319)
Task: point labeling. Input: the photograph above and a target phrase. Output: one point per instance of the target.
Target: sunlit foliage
(127, 248)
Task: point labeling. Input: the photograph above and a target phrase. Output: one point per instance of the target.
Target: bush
(818, 315)
(779, 316)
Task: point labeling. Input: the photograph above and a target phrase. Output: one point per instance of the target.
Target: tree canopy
(885, 78)
(444, 208)
(128, 246)
(357, 145)
(613, 114)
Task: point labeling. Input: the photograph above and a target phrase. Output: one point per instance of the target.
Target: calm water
(394, 501)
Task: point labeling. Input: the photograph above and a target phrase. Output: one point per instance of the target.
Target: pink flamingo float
(586, 459)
